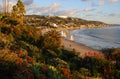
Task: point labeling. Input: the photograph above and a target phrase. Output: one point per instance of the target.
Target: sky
(107, 11)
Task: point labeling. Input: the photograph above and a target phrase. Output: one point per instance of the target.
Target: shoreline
(67, 37)
(71, 44)
(80, 48)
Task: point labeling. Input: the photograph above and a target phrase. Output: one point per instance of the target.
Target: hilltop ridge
(58, 21)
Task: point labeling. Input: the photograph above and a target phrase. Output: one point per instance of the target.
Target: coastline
(80, 48)
(72, 45)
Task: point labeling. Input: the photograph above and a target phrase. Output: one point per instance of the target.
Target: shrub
(116, 74)
(6, 41)
(27, 34)
(51, 40)
(6, 30)
(113, 53)
(32, 49)
(8, 64)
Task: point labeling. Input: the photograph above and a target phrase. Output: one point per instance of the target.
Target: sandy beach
(70, 45)
(79, 48)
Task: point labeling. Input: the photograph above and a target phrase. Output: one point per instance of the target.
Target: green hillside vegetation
(26, 53)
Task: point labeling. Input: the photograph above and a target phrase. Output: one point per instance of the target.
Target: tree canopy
(18, 11)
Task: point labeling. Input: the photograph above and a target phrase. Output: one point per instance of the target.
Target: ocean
(98, 38)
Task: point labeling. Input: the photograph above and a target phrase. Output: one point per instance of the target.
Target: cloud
(50, 10)
(112, 1)
(88, 9)
(67, 13)
(100, 3)
(33, 8)
(54, 6)
(114, 14)
(106, 14)
(100, 12)
(89, 15)
(27, 2)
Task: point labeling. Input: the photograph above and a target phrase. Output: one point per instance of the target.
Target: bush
(7, 40)
(113, 53)
(51, 40)
(8, 64)
(6, 30)
(27, 34)
(76, 75)
(116, 74)
(84, 72)
(32, 49)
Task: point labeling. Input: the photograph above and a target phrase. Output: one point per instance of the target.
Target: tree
(21, 8)
(14, 11)
(18, 11)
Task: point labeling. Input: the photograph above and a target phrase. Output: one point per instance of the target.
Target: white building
(53, 25)
(63, 16)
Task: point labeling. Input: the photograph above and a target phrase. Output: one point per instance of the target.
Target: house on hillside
(53, 25)
(63, 16)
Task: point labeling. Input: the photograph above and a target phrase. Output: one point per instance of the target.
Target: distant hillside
(37, 20)
(115, 24)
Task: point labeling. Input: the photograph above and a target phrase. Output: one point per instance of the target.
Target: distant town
(61, 21)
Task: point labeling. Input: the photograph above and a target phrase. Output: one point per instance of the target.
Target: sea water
(98, 38)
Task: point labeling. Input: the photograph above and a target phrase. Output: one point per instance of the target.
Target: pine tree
(21, 8)
(14, 11)
(18, 11)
